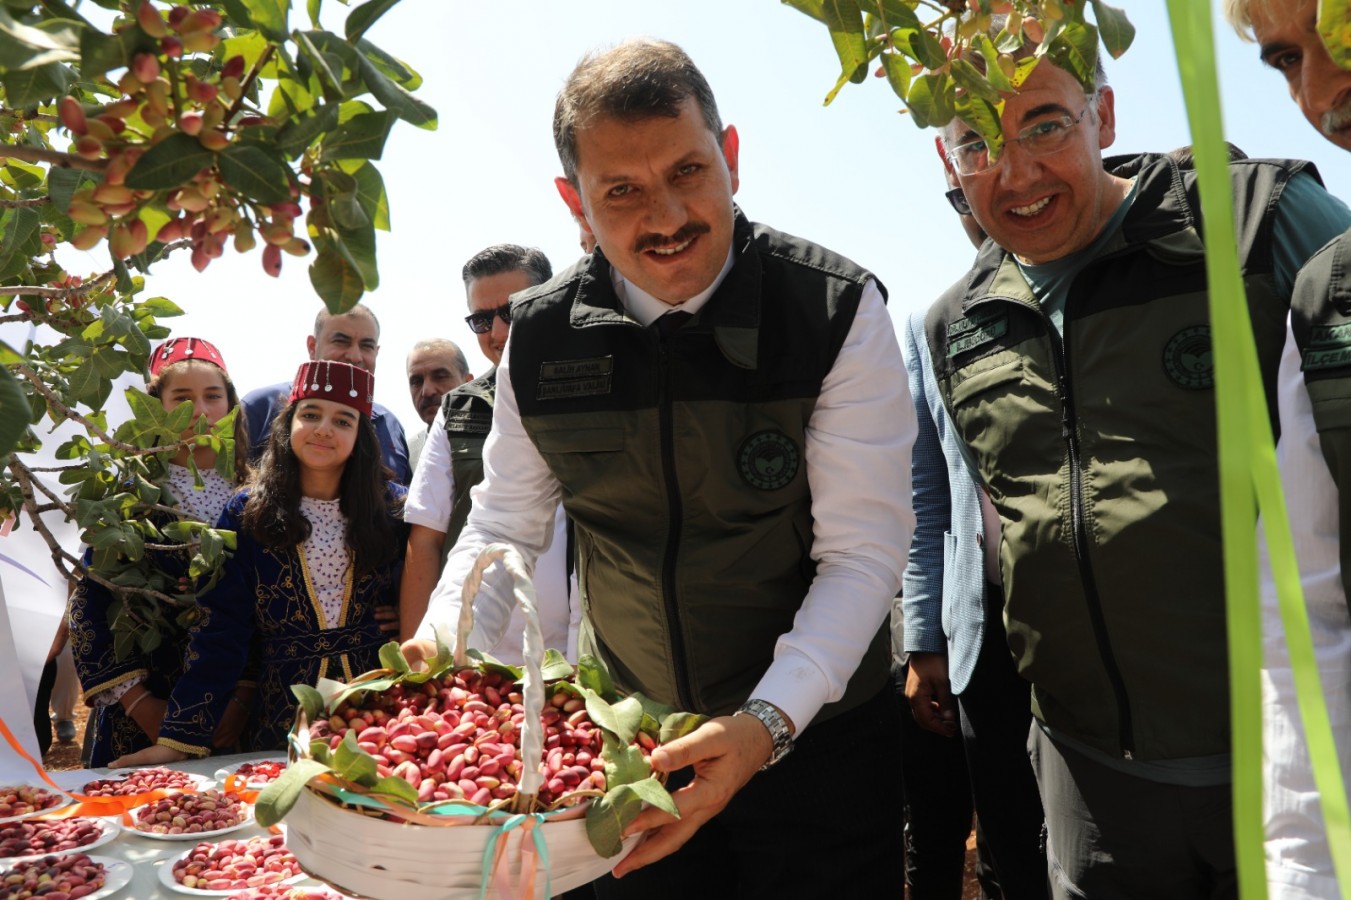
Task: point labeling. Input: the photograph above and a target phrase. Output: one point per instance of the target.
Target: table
(146, 855)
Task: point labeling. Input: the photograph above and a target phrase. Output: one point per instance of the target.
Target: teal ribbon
(541, 848)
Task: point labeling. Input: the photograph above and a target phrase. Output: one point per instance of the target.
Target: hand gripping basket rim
(528, 855)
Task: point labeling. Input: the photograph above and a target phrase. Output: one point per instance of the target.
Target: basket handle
(523, 590)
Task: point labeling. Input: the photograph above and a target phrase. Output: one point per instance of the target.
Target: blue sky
(854, 176)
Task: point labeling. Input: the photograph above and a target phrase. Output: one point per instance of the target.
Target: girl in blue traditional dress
(319, 547)
(128, 695)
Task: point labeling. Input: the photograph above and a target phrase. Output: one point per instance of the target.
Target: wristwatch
(772, 719)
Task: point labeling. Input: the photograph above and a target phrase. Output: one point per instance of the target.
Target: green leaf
(312, 8)
(63, 183)
(392, 66)
(364, 16)
(32, 86)
(609, 816)
(370, 193)
(330, 80)
(624, 763)
(101, 52)
(679, 724)
(555, 666)
(269, 16)
(358, 247)
(360, 137)
(254, 172)
(335, 280)
(21, 175)
(973, 80)
(162, 307)
(652, 792)
(24, 47)
(353, 763)
(994, 73)
(249, 45)
(20, 239)
(927, 49)
(14, 411)
(395, 787)
(396, 98)
(1115, 29)
(278, 798)
(391, 657)
(898, 72)
(592, 675)
(845, 21)
(1075, 50)
(311, 701)
(172, 162)
(300, 131)
(983, 117)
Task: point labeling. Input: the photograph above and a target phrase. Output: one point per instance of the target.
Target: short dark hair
(640, 79)
(360, 309)
(501, 258)
(441, 345)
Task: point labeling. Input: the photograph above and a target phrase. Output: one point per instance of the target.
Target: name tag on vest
(463, 421)
(566, 378)
(976, 328)
(1329, 348)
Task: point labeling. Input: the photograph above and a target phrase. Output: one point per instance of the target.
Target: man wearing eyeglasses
(438, 499)
(1074, 361)
(1315, 458)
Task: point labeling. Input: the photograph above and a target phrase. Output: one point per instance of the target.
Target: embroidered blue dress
(104, 677)
(270, 603)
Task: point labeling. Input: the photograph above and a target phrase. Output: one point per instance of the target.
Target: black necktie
(671, 322)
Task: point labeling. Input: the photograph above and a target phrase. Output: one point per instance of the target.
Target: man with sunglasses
(1074, 363)
(438, 500)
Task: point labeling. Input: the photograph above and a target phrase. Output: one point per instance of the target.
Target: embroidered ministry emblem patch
(768, 460)
(1188, 360)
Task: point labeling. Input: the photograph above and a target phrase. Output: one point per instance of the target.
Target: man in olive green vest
(723, 410)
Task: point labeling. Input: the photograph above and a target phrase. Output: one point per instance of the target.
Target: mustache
(1337, 118)
(658, 241)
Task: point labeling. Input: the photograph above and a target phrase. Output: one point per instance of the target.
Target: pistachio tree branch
(25, 204)
(56, 158)
(55, 402)
(67, 563)
(248, 82)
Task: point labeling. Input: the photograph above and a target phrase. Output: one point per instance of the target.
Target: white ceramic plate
(117, 875)
(108, 831)
(195, 836)
(225, 772)
(166, 878)
(195, 782)
(66, 800)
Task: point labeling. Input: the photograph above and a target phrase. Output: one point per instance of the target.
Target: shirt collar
(647, 309)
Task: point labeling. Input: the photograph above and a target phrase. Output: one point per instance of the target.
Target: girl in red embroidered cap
(319, 547)
(128, 690)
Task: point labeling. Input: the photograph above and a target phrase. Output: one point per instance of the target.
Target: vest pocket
(580, 440)
(973, 383)
(1328, 397)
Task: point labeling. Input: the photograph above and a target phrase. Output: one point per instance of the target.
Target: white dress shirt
(858, 466)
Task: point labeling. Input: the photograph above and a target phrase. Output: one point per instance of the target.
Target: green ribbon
(1248, 473)
(541, 848)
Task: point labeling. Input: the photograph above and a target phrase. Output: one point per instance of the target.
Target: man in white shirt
(438, 499)
(722, 409)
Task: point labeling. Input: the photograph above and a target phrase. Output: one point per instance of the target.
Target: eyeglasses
(481, 322)
(957, 198)
(1038, 139)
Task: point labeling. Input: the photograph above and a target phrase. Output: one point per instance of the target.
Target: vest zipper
(684, 693)
(1070, 433)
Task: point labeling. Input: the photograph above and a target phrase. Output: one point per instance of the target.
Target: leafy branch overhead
(135, 129)
(954, 59)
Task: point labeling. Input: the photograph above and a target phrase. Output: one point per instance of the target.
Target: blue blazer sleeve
(922, 583)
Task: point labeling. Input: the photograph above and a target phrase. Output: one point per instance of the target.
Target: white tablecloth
(147, 855)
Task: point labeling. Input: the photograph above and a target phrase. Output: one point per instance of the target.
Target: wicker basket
(531, 855)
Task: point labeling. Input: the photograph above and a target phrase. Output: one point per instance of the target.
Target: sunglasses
(957, 198)
(481, 322)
